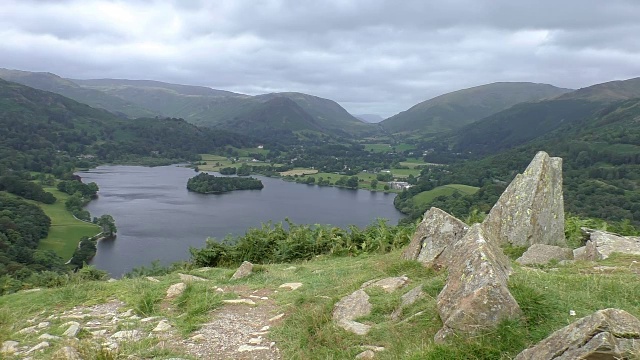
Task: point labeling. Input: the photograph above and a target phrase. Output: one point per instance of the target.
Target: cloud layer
(372, 56)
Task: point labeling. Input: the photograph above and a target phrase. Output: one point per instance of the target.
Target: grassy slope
(66, 231)
(425, 197)
(545, 296)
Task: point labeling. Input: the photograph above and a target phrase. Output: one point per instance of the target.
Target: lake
(158, 219)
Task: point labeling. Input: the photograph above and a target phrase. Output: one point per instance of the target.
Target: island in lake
(209, 184)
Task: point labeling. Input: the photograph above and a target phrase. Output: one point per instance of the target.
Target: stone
(111, 280)
(191, 278)
(354, 327)
(41, 346)
(28, 330)
(541, 254)
(126, 335)
(239, 301)
(245, 348)
(162, 326)
(9, 347)
(100, 333)
(48, 337)
(127, 313)
(198, 337)
(579, 253)
(67, 353)
(255, 341)
(367, 354)
(72, 330)
(436, 233)
(606, 334)
(152, 279)
(291, 286)
(43, 325)
(407, 299)
(475, 296)
(373, 348)
(243, 271)
(351, 307)
(277, 317)
(175, 290)
(602, 244)
(389, 285)
(531, 209)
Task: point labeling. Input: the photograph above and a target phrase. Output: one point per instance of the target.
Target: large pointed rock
(475, 296)
(531, 209)
(606, 334)
(437, 232)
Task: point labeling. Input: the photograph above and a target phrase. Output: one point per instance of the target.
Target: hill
(528, 121)
(198, 105)
(370, 118)
(54, 83)
(462, 107)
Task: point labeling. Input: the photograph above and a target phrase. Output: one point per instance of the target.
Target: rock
(41, 346)
(28, 330)
(239, 301)
(255, 341)
(127, 313)
(162, 326)
(9, 347)
(243, 271)
(373, 348)
(112, 280)
(291, 286)
(100, 333)
(198, 337)
(72, 330)
(367, 354)
(434, 235)
(351, 307)
(152, 279)
(578, 254)
(602, 244)
(175, 290)
(354, 327)
(126, 335)
(606, 334)
(406, 300)
(190, 278)
(48, 337)
(245, 348)
(541, 254)
(149, 319)
(67, 353)
(389, 285)
(43, 325)
(475, 296)
(531, 209)
(277, 317)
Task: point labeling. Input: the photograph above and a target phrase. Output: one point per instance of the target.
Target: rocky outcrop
(602, 244)
(243, 271)
(437, 232)
(389, 285)
(406, 300)
(607, 334)
(475, 296)
(531, 209)
(540, 254)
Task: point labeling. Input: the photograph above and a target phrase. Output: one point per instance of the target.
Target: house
(399, 185)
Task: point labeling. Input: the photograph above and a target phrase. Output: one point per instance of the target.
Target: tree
(352, 182)
(374, 184)
(107, 224)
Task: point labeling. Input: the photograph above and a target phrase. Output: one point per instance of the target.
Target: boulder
(67, 353)
(606, 334)
(367, 354)
(434, 235)
(39, 347)
(351, 307)
(175, 290)
(291, 286)
(190, 278)
(407, 299)
(602, 244)
(540, 254)
(243, 271)
(531, 209)
(475, 296)
(9, 347)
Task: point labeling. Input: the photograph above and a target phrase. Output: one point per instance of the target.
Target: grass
(545, 295)
(388, 147)
(426, 197)
(66, 231)
(299, 172)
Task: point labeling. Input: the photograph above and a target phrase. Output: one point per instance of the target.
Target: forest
(204, 183)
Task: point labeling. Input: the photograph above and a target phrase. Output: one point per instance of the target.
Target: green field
(223, 161)
(66, 231)
(426, 197)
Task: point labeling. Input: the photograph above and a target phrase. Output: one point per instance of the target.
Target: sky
(371, 56)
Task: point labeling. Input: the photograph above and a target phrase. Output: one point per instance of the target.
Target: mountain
(607, 92)
(54, 83)
(528, 121)
(198, 105)
(42, 130)
(462, 107)
(370, 118)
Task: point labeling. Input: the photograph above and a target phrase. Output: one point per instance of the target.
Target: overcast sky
(371, 56)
